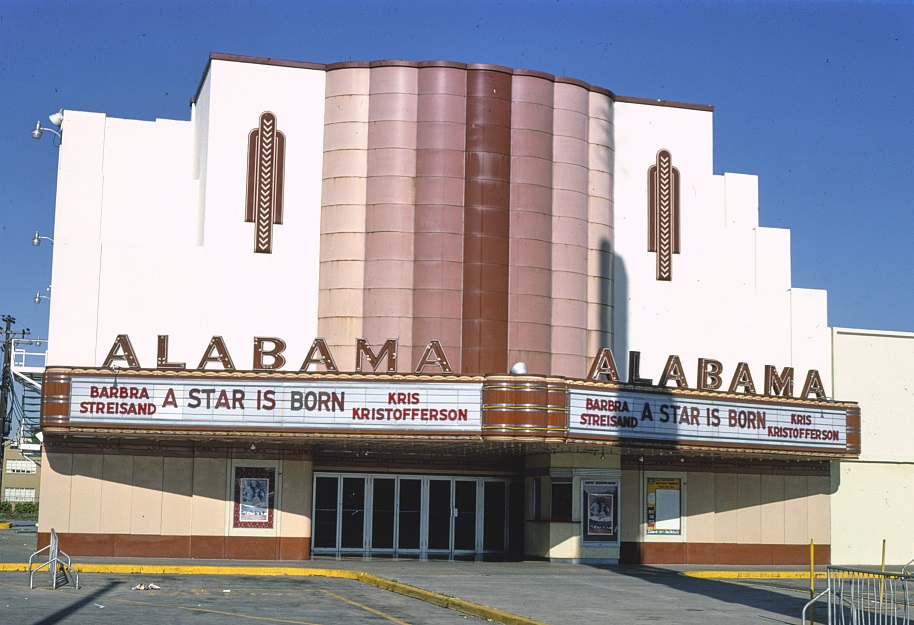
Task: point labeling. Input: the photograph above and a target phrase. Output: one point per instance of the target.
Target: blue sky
(815, 98)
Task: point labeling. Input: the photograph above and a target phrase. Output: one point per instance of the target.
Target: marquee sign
(293, 404)
(627, 415)
(498, 406)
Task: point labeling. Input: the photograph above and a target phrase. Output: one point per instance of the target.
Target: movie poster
(663, 506)
(601, 512)
(254, 496)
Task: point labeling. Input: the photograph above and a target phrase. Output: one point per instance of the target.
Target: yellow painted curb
(414, 592)
(753, 574)
(5, 526)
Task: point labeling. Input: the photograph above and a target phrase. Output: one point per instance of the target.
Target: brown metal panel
(487, 234)
(853, 430)
(524, 407)
(55, 398)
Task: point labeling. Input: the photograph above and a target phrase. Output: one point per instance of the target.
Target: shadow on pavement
(768, 595)
(93, 597)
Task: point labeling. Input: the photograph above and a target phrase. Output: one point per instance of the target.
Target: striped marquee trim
(663, 213)
(266, 167)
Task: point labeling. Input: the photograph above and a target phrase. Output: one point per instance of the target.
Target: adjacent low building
(433, 310)
(21, 473)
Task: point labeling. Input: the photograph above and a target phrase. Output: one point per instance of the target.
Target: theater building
(429, 310)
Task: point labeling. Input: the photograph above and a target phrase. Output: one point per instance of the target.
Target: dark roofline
(237, 58)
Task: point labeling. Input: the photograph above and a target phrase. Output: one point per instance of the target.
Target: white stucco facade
(150, 214)
(731, 277)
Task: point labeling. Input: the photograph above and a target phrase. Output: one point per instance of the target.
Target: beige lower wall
(56, 486)
(296, 484)
(210, 497)
(178, 474)
(124, 494)
(562, 541)
(736, 508)
(872, 503)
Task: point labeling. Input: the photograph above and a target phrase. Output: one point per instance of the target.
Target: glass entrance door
(465, 530)
(383, 513)
(439, 516)
(409, 516)
(352, 519)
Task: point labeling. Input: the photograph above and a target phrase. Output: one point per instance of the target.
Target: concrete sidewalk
(515, 593)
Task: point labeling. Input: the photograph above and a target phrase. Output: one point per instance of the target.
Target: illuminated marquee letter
(121, 350)
(389, 350)
(709, 371)
(673, 371)
(162, 355)
(778, 385)
(634, 370)
(279, 347)
(217, 344)
(814, 385)
(319, 346)
(434, 356)
(604, 364)
(742, 377)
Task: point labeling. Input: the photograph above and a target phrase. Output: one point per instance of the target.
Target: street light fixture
(39, 296)
(38, 238)
(56, 120)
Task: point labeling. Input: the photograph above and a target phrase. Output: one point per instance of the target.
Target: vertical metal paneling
(486, 222)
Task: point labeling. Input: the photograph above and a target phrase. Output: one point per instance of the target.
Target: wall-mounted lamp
(38, 238)
(39, 296)
(519, 368)
(56, 120)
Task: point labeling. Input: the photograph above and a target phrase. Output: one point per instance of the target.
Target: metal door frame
(423, 552)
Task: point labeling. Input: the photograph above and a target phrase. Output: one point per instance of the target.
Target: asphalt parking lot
(328, 592)
(210, 600)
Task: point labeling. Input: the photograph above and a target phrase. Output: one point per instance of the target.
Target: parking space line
(219, 612)
(392, 619)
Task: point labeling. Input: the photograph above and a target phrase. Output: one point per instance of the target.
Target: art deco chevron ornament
(266, 168)
(663, 213)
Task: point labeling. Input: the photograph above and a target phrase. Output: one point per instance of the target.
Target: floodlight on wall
(38, 238)
(56, 120)
(519, 368)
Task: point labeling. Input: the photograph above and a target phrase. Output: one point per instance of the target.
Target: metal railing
(866, 597)
(58, 565)
(29, 354)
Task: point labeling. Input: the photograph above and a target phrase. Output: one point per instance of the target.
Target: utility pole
(6, 388)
